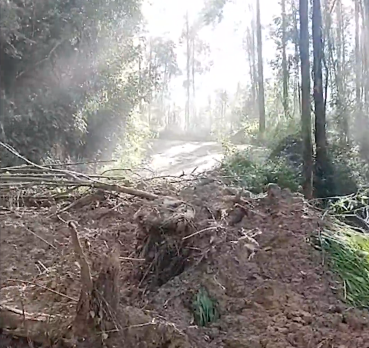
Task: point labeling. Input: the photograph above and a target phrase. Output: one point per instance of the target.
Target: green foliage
(348, 256)
(254, 175)
(69, 76)
(346, 171)
(131, 150)
(204, 308)
(251, 129)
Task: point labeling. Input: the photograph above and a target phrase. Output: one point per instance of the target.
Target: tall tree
(341, 74)
(296, 58)
(261, 94)
(188, 72)
(250, 48)
(321, 160)
(357, 59)
(284, 60)
(305, 99)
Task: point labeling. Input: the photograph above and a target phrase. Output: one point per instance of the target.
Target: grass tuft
(205, 311)
(348, 257)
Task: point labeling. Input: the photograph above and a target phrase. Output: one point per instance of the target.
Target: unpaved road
(171, 157)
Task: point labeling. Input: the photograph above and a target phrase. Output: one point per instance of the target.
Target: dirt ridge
(251, 254)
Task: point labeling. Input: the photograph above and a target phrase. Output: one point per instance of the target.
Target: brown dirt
(252, 255)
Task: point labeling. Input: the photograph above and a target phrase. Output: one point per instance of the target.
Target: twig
(73, 174)
(37, 236)
(131, 259)
(42, 287)
(29, 316)
(17, 154)
(42, 265)
(80, 163)
(201, 231)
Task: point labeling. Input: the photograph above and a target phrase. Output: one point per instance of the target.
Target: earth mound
(201, 265)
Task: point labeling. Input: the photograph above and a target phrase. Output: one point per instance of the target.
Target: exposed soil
(251, 254)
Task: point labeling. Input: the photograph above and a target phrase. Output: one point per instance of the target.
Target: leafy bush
(348, 171)
(244, 171)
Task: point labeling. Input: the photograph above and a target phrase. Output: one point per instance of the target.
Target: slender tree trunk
(255, 89)
(193, 77)
(250, 57)
(305, 100)
(188, 69)
(261, 95)
(365, 46)
(297, 88)
(140, 80)
(150, 77)
(284, 61)
(340, 76)
(323, 182)
(357, 59)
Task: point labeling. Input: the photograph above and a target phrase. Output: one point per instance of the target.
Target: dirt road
(169, 157)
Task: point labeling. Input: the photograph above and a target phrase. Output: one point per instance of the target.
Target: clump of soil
(250, 254)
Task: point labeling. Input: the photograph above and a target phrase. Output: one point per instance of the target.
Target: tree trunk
(357, 60)
(340, 76)
(297, 89)
(188, 71)
(323, 183)
(255, 89)
(150, 79)
(261, 96)
(284, 61)
(193, 76)
(305, 100)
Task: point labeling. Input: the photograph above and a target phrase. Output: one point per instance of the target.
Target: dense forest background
(85, 80)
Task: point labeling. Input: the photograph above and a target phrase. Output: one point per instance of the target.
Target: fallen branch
(37, 327)
(42, 287)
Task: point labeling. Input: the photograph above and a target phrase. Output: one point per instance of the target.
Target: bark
(261, 95)
(254, 82)
(188, 72)
(297, 89)
(305, 100)
(357, 59)
(340, 74)
(150, 77)
(323, 183)
(193, 74)
(251, 58)
(284, 61)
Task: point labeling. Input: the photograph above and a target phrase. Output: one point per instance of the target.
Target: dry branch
(36, 327)
(65, 178)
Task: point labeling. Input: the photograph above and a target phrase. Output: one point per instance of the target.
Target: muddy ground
(252, 255)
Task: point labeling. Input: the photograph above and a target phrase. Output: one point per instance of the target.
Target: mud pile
(207, 254)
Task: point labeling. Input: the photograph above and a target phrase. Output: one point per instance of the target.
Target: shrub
(244, 171)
